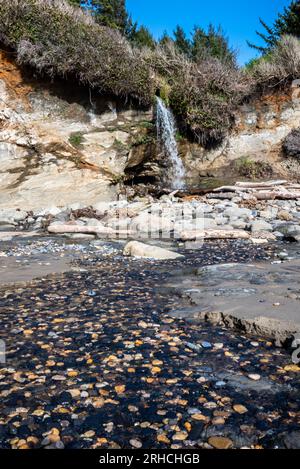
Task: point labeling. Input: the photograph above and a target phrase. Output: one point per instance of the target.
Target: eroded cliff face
(59, 144)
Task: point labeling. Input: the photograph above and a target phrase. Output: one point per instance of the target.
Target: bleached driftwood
(193, 235)
(273, 195)
(269, 190)
(98, 231)
(255, 185)
(250, 188)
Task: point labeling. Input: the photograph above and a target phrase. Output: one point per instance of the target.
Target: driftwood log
(269, 190)
(98, 231)
(273, 195)
(193, 235)
(255, 185)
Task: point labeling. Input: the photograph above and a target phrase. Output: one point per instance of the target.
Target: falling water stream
(174, 177)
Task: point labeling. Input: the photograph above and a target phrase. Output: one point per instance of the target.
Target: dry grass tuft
(280, 66)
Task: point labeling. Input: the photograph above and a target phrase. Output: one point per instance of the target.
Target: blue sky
(239, 18)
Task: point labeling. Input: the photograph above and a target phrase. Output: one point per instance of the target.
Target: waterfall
(174, 176)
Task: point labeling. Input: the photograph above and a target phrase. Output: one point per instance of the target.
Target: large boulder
(11, 216)
(261, 225)
(291, 144)
(233, 213)
(153, 223)
(290, 231)
(137, 249)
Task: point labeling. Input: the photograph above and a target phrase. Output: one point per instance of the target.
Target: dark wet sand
(94, 360)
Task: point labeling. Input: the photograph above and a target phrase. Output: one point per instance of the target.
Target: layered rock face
(60, 145)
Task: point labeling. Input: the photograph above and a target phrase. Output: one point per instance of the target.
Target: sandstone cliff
(59, 144)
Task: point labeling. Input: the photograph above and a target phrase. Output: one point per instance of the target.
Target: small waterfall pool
(174, 177)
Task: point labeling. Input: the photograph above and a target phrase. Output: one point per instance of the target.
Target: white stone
(137, 249)
(12, 216)
(261, 225)
(149, 223)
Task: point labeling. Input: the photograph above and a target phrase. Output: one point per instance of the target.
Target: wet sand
(94, 360)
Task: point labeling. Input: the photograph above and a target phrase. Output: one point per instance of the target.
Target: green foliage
(203, 94)
(252, 64)
(142, 139)
(76, 139)
(211, 43)
(164, 91)
(120, 146)
(182, 43)
(253, 169)
(142, 37)
(179, 137)
(288, 22)
(113, 13)
(165, 40)
(203, 44)
(147, 125)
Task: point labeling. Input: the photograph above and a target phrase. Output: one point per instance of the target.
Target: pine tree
(111, 13)
(182, 43)
(287, 22)
(165, 40)
(199, 42)
(142, 37)
(212, 43)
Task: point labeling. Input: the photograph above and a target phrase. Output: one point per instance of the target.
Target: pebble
(220, 442)
(220, 383)
(180, 436)
(206, 344)
(254, 377)
(136, 443)
(218, 346)
(240, 409)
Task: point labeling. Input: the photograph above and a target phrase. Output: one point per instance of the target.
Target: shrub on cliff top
(203, 94)
(206, 97)
(60, 40)
(279, 66)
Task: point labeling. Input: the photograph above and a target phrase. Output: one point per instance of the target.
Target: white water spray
(174, 176)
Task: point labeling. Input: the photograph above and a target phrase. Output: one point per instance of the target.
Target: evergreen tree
(182, 43)
(111, 13)
(165, 40)
(287, 22)
(142, 37)
(212, 43)
(199, 42)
